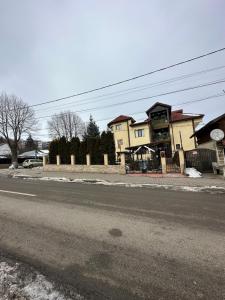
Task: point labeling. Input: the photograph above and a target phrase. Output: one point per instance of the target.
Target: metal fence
(201, 159)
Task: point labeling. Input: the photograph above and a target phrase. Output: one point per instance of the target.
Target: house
(205, 141)
(163, 130)
(203, 134)
(33, 154)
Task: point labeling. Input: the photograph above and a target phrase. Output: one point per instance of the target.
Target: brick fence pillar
(163, 161)
(182, 161)
(58, 160)
(106, 160)
(88, 159)
(44, 160)
(72, 159)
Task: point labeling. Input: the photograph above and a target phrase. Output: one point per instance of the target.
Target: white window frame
(118, 127)
(137, 131)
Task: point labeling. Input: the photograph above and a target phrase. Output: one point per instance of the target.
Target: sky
(51, 49)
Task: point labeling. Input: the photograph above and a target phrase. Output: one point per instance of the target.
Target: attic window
(118, 127)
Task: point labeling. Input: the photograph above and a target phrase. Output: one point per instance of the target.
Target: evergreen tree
(30, 144)
(108, 146)
(83, 152)
(91, 140)
(98, 157)
(64, 150)
(92, 130)
(53, 151)
(75, 149)
(95, 146)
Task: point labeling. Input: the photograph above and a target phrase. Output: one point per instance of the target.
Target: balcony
(161, 137)
(160, 123)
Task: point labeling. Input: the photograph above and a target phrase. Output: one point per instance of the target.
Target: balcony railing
(161, 137)
(159, 123)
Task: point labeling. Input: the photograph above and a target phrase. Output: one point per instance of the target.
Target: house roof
(121, 118)
(210, 123)
(33, 153)
(156, 104)
(139, 123)
(177, 115)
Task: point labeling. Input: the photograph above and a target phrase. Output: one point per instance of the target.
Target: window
(119, 143)
(118, 127)
(177, 146)
(139, 133)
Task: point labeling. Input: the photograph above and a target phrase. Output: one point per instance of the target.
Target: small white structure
(34, 154)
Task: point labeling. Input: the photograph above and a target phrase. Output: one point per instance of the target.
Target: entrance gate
(173, 164)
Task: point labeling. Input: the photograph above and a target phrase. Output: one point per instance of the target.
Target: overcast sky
(50, 49)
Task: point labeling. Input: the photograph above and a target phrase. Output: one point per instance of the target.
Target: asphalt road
(117, 242)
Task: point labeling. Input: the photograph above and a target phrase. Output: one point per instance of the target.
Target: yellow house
(163, 130)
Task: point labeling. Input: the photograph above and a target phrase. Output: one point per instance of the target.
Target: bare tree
(67, 124)
(16, 118)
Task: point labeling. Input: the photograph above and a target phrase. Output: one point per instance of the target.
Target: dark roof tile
(121, 118)
(178, 115)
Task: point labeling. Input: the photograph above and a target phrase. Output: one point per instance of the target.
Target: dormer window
(118, 127)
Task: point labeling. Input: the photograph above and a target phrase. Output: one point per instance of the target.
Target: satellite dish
(217, 135)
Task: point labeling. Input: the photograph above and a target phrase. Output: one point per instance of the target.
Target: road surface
(117, 242)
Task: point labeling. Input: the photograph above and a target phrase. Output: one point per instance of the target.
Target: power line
(141, 112)
(145, 98)
(132, 78)
(134, 89)
(177, 104)
(200, 100)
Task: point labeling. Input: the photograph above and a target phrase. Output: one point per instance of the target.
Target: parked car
(30, 163)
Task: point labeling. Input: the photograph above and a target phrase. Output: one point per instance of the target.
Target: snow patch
(210, 189)
(58, 179)
(22, 176)
(17, 284)
(192, 172)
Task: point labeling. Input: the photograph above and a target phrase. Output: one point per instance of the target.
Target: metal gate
(173, 164)
(201, 159)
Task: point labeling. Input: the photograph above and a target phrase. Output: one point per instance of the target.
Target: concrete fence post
(72, 159)
(182, 161)
(122, 159)
(58, 160)
(88, 159)
(44, 161)
(163, 161)
(106, 159)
